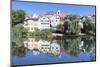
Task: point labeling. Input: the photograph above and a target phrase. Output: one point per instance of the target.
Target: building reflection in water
(72, 47)
(52, 49)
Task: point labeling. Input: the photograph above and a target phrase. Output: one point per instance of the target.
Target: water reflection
(80, 48)
(50, 48)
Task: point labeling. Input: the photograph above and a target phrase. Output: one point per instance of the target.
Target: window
(56, 20)
(56, 47)
(42, 47)
(45, 23)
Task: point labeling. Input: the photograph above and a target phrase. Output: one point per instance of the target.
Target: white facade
(31, 25)
(44, 23)
(55, 20)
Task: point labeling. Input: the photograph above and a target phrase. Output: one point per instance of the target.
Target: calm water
(41, 51)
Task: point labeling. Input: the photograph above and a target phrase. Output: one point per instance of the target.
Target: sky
(39, 8)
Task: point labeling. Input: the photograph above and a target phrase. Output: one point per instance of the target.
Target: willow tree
(71, 24)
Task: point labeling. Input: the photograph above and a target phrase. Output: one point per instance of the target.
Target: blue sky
(34, 7)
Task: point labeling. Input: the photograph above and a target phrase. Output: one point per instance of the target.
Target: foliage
(71, 24)
(44, 34)
(17, 16)
(18, 33)
(60, 27)
(74, 27)
(89, 26)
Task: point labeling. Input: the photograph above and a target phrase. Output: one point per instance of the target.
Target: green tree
(17, 16)
(41, 34)
(60, 27)
(88, 26)
(71, 24)
(18, 33)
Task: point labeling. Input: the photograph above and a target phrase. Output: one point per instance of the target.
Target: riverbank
(48, 34)
(57, 35)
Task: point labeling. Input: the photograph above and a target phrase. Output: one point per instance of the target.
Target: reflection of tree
(71, 46)
(18, 51)
(89, 44)
(74, 46)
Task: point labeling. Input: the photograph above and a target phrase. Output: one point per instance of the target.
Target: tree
(71, 24)
(89, 27)
(60, 28)
(17, 16)
(74, 27)
(66, 24)
(18, 33)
